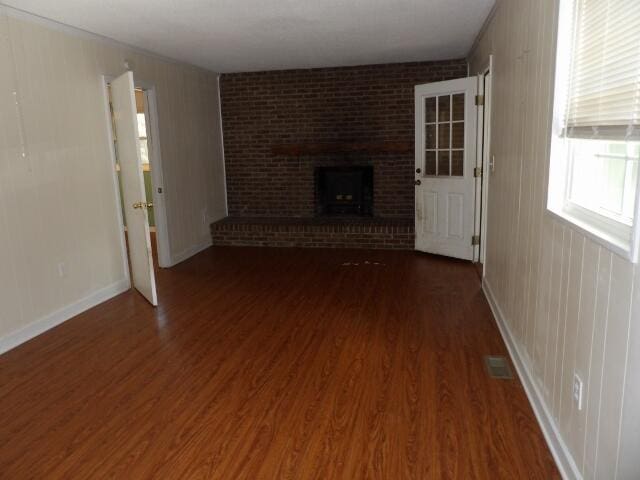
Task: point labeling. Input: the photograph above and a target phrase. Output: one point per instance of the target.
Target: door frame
(157, 172)
(483, 153)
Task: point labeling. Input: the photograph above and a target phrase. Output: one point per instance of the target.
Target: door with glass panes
(444, 167)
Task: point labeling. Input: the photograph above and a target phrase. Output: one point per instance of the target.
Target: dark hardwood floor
(274, 364)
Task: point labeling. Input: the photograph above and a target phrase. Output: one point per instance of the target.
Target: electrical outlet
(577, 391)
(204, 216)
(62, 271)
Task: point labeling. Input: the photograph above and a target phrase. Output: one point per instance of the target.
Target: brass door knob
(142, 205)
(418, 170)
(417, 182)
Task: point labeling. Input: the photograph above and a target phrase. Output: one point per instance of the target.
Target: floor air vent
(498, 367)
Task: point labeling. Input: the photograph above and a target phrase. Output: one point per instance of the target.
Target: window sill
(611, 242)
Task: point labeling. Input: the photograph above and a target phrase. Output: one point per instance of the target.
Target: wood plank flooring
(274, 364)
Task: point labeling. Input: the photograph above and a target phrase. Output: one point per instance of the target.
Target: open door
(445, 142)
(133, 192)
(484, 161)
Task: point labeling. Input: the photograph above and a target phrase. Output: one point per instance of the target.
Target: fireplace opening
(344, 190)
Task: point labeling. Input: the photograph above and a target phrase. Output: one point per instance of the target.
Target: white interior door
(445, 160)
(133, 193)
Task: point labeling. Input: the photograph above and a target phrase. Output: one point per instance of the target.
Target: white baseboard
(51, 320)
(564, 460)
(189, 252)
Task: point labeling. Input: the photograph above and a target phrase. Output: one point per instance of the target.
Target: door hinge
(477, 172)
(475, 240)
(479, 99)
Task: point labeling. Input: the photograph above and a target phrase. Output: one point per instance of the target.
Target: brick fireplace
(281, 128)
(344, 190)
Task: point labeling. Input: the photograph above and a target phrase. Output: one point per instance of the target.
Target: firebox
(344, 190)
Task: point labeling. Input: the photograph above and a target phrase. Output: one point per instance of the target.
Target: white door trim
(483, 161)
(487, 162)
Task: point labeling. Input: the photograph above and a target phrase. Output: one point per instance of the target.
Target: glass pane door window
(444, 135)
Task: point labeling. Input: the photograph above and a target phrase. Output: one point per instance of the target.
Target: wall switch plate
(61, 269)
(577, 391)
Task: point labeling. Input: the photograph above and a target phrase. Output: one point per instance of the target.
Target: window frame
(617, 236)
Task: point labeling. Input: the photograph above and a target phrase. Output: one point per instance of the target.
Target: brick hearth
(323, 232)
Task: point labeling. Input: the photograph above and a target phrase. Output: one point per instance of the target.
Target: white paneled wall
(57, 198)
(569, 304)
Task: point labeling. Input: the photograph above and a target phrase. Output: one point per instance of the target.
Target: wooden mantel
(302, 149)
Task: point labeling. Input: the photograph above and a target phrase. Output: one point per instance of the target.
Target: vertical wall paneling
(575, 424)
(613, 364)
(596, 369)
(628, 465)
(568, 352)
(570, 306)
(560, 334)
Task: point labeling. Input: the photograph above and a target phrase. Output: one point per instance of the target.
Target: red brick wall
(372, 103)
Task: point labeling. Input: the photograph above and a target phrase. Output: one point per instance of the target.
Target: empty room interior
(320, 239)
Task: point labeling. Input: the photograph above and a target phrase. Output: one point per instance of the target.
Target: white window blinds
(603, 93)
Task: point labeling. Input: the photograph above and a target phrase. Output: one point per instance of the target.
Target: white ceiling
(245, 35)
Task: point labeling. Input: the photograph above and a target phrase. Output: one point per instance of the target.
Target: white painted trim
(224, 163)
(189, 252)
(486, 168)
(635, 234)
(51, 320)
(600, 236)
(114, 178)
(79, 32)
(561, 454)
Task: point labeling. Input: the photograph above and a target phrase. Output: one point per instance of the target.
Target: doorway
(137, 170)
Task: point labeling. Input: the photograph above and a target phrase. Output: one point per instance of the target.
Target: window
(444, 135)
(595, 149)
(142, 131)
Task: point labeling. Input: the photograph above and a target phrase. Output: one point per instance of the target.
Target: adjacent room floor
(274, 363)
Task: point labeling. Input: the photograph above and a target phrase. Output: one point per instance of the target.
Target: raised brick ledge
(328, 232)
